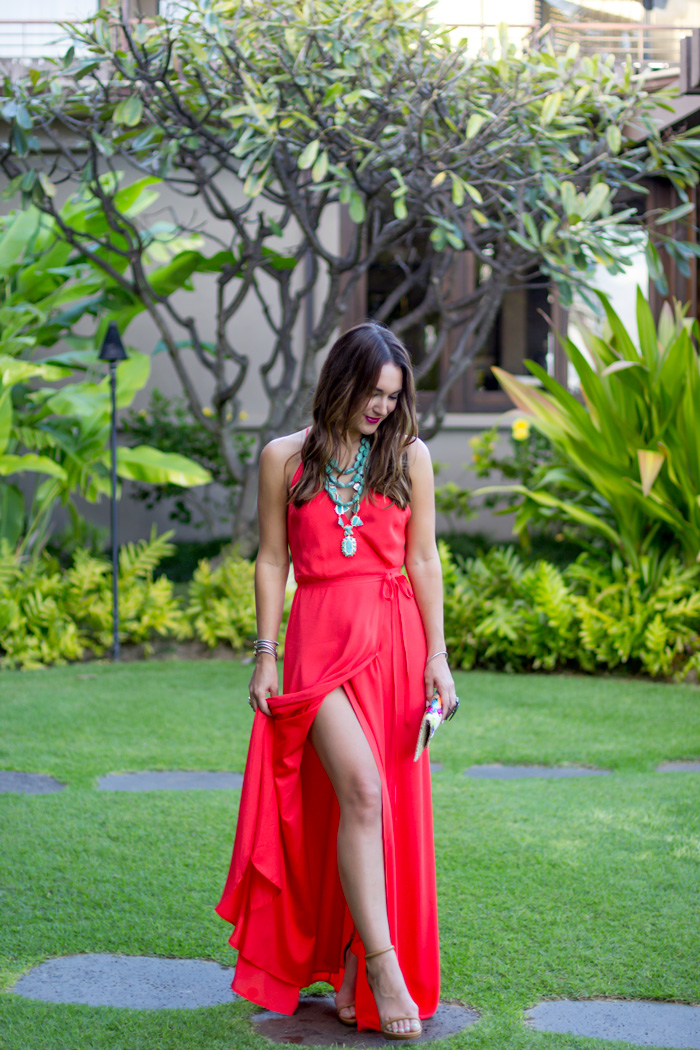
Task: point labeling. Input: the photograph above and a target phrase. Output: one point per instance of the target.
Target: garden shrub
(221, 605)
(50, 616)
(503, 614)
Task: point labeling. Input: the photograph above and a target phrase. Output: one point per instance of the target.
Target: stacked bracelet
(265, 645)
(443, 652)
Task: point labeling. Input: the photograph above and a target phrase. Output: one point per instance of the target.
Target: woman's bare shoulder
(418, 454)
(282, 455)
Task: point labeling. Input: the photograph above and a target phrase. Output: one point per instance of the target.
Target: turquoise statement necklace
(356, 470)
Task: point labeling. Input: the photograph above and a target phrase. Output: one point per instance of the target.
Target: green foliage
(631, 455)
(61, 432)
(503, 614)
(529, 458)
(273, 117)
(500, 612)
(168, 425)
(50, 615)
(221, 603)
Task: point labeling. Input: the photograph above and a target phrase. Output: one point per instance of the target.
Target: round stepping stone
(28, 783)
(644, 1023)
(134, 981)
(315, 1023)
(678, 767)
(435, 767)
(499, 772)
(171, 780)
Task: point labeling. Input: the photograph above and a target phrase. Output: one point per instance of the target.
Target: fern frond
(138, 560)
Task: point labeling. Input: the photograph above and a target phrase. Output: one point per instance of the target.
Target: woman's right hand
(264, 683)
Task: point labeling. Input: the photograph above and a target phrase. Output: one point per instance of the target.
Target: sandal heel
(414, 1033)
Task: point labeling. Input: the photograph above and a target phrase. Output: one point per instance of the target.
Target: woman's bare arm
(425, 572)
(271, 565)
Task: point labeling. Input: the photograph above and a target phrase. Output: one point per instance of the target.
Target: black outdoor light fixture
(113, 351)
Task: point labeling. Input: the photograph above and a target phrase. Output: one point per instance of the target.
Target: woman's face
(382, 401)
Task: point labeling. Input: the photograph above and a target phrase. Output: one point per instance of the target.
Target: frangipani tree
(519, 160)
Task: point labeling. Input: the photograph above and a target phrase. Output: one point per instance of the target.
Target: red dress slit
(354, 622)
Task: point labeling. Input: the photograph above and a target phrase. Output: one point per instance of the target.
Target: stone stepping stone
(170, 780)
(435, 767)
(135, 981)
(644, 1023)
(315, 1024)
(500, 772)
(678, 767)
(28, 783)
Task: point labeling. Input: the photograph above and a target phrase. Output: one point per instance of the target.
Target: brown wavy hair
(348, 379)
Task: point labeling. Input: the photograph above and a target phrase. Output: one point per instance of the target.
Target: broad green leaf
(129, 111)
(15, 238)
(11, 513)
(144, 463)
(550, 108)
(613, 138)
(474, 125)
(5, 419)
(308, 155)
(31, 463)
(320, 167)
(357, 207)
(675, 213)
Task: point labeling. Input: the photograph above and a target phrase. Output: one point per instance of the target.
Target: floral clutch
(429, 723)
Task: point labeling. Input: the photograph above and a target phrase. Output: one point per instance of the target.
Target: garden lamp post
(113, 351)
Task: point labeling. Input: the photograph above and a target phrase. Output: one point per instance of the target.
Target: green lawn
(569, 888)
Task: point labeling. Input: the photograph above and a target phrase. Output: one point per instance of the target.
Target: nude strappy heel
(385, 1030)
(350, 1022)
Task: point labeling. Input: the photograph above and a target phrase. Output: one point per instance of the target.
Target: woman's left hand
(438, 676)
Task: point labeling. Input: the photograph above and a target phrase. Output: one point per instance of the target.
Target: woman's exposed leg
(346, 756)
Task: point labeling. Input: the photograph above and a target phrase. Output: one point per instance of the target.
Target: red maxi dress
(354, 622)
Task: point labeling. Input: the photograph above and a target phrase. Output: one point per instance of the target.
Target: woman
(331, 757)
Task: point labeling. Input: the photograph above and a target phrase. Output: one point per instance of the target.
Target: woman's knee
(361, 798)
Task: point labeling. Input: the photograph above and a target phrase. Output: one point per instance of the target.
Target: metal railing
(23, 40)
(654, 46)
(31, 40)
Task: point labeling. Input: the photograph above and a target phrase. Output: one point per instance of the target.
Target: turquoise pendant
(348, 546)
(356, 520)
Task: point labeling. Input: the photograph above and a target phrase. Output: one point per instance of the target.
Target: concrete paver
(501, 772)
(646, 1023)
(134, 981)
(12, 782)
(170, 780)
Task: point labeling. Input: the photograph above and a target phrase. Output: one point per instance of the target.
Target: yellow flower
(143, 413)
(243, 414)
(520, 430)
(207, 411)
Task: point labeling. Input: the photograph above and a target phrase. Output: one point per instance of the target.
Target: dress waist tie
(394, 583)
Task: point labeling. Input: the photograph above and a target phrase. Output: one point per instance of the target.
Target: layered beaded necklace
(356, 470)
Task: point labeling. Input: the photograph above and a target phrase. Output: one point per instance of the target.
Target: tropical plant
(594, 615)
(168, 425)
(528, 457)
(52, 615)
(272, 117)
(221, 602)
(631, 450)
(61, 431)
